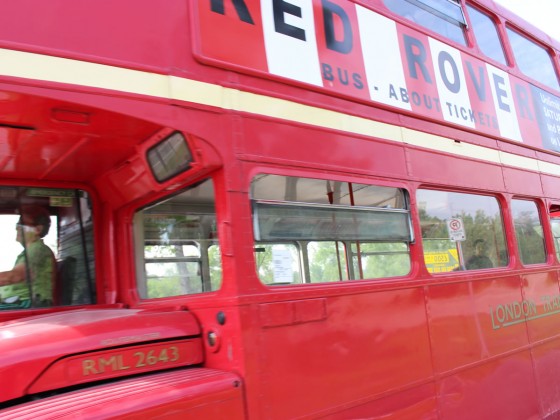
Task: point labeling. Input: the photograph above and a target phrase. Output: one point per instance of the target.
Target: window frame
(447, 19)
(139, 240)
(539, 45)
(303, 242)
(496, 24)
(462, 268)
(546, 251)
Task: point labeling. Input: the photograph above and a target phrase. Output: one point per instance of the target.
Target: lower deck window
(376, 260)
(528, 231)
(461, 231)
(314, 231)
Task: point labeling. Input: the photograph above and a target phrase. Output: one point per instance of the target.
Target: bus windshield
(47, 243)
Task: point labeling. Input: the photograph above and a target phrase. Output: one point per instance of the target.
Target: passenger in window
(30, 282)
(479, 259)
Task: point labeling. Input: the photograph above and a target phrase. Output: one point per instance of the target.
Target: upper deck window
(533, 60)
(486, 35)
(442, 16)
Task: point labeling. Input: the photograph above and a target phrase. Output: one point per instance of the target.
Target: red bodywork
(417, 346)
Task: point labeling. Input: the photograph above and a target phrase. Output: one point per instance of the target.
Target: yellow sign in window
(442, 261)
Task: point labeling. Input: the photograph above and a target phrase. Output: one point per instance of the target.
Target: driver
(30, 281)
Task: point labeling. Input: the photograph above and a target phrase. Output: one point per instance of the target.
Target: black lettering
(392, 92)
(327, 72)
(404, 96)
(343, 76)
(500, 92)
(450, 106)
(445, 57)
(358, 83)
(279, 8)
(217, 6)
(481, 118)
(343, 46)
(479, 83)
(523, 100)
(428, 101)
(416, 57)
(436, 101)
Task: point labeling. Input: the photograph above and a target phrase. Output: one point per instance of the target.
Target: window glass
(383, 259)
(444, 17)
(533, 60)
(278, 263)
(177, 245)
(461, 231)
(327, 261)
(486, 35)
(169, 157)
(529, 231)
(47, 248)
(333, 230)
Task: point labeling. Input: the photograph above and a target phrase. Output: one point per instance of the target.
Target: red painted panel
(550, 186)
(368, 344)
(500, 389)
(540, 291)
(323, 149)
(546, 359)
(411, 404)
(503, 388)
(32, 345)
(519, 181)
(464, 323)
(182, 394)
(451, 170)
(293, 312)
(247, 48)
(68, 26)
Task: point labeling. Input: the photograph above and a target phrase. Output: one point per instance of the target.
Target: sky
(543, 14)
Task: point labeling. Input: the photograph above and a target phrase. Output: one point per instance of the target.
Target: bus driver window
(47, 248)
(36, 261)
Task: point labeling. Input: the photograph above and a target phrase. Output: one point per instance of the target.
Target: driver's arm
(15, 275)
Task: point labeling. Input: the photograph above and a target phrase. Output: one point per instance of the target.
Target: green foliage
(381, 259)
(325, 263)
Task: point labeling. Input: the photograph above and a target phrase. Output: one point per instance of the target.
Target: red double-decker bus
(278, 209)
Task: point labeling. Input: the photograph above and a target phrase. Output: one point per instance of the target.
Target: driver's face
(26, 230)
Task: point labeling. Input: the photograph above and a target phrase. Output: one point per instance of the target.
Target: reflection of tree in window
(481, 222)
(382, 259)
(327, 261)
(528, 231)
